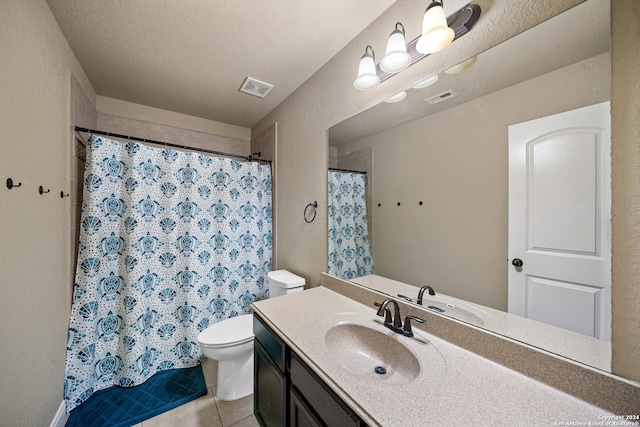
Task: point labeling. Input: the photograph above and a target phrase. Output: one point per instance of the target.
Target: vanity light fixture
(396, 57)
(436, 33)
(367, 74)
(396, 98)
(425, 82)
(401, 55)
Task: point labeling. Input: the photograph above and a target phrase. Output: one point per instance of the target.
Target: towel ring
(314, 206)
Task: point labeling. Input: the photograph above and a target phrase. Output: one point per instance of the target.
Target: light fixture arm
(399, 28)
(435, 3)
(366, 52)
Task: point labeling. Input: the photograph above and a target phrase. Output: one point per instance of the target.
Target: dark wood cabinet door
(301, 415)
(270, 391)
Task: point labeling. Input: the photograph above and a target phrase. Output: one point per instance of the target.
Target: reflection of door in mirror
(559, 216)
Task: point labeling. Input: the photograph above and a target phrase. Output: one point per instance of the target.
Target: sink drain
(380, 370)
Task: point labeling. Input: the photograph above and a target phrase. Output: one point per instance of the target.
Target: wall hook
(41, 190)
(10, 184)
(62, 195)
(314, 206)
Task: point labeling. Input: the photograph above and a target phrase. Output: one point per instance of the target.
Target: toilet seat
(227, 333)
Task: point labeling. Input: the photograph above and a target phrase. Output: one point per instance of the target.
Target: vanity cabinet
(270, 384)
(287, 392)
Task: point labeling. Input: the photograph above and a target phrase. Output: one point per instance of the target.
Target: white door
(560, 220)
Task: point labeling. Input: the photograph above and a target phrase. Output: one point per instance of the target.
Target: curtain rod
(347, 170)
(248, 158)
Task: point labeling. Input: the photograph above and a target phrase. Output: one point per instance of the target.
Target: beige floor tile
(210, 371)
(234, 411)
(250, 421)
(201, 412)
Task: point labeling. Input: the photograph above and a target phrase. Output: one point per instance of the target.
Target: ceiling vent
(441, 97)
(255, 87)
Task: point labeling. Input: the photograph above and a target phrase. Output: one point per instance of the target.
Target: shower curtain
(170, 243)
(349, 248)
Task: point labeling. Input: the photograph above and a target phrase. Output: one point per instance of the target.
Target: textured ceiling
(577, 34)
(192, 56)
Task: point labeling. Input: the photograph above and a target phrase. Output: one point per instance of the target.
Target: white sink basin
(359, 344)
(366, 351)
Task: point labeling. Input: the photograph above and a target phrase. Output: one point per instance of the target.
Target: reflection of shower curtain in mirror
(349, 248)
(170, 243)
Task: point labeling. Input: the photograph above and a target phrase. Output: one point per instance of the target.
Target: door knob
(517, 262)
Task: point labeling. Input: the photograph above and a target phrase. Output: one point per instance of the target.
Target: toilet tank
(282, 282)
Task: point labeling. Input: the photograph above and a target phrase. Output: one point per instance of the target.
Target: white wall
(35, 71)
(144, 113)
(456, 163)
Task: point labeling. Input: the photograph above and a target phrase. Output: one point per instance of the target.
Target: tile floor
(207, 411)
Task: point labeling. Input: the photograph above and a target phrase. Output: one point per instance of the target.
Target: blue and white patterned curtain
(170, 243)
(349, 248)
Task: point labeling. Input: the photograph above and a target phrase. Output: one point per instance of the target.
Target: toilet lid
(230, 331)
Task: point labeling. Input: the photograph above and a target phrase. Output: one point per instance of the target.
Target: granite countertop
(454, 386)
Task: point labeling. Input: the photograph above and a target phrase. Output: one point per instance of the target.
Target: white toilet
(230, 342)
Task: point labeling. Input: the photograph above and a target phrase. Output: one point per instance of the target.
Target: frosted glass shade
(396, 98)
(426, 82)
(436, 34)
(396, 57)
(367, 75)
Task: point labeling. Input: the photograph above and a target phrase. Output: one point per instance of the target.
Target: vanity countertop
(582, 348)
(465, 389)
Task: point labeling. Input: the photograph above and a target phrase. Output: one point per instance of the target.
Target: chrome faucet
(421, 293)
(393, 322)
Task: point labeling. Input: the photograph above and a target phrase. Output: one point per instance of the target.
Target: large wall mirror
(438, 185)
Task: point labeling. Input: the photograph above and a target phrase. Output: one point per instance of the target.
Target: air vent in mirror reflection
(441, 97)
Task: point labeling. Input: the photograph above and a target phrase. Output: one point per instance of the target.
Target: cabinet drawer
(273, 345)
(324, 402)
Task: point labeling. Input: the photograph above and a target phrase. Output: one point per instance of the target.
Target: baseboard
(61, 417)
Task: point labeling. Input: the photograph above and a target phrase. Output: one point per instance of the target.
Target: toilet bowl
(230, 342)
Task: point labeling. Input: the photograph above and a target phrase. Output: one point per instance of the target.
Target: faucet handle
(406, 330)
